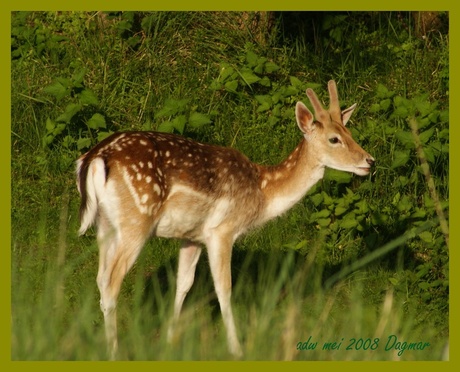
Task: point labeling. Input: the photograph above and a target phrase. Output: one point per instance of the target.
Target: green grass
(362, 258)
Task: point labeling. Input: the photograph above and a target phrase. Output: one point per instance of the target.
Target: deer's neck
(285, 184)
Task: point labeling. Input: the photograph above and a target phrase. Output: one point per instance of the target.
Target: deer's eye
(334, 140)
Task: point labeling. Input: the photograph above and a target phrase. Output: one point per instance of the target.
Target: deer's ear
(346, 114)
(304, 118)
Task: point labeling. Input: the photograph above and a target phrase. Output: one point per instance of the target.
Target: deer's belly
(189, 214)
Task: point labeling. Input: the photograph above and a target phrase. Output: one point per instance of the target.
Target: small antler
(334, 106)
(320, 113)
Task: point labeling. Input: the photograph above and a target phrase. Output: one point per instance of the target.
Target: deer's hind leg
(219, 253)
(189, 255)
(119, 247)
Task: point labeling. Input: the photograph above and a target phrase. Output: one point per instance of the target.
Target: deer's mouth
(362, 171)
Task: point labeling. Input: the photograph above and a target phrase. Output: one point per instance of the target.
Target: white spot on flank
(148, 179)
(157, 189)
(144, 198)
(133, 191)
(167, 153)
(143, 143)
(150, 165)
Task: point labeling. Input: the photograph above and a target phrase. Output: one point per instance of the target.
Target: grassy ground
(359, 262)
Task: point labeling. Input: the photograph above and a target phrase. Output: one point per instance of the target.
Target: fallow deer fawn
(138, 184)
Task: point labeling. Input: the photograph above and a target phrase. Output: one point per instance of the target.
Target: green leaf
(327, 200)
(295, 82)
(316, 199)
(323, 222)
(103, 135)
(383, 92)
(59, 129)
(83, 143)
(424, 285)
(226, 72)
(385, 104)
(400, 112)
(404, 204)
(375, 107)
(349, 221)
(178, 123)
(68, 141)
(57, 90)
(263, 107)
(215, 85)
(290, 91)
(362, 207)
(197, 120)
(249, 77)
(321, 214)
(406, 139)
(444, 116)
(264, 99)
(423, 105)
(378, 218)
(271, 67)
(87, 97)
(259, 69)
(419, 213)
(426, 135)
(429, 154)
(69, 113)
(96, 121)
(433, 117)
(50, 125)
(231, 86)
(166, 127)
(251, 58)
(400, 159)
(172, 107)
(339, 210)
(426, 236)
(296, 246)
(77, 78)
(265, 81)
(338, 176)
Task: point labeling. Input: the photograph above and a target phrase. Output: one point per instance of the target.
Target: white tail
(138, 184)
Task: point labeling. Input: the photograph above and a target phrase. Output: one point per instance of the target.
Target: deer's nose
(370, 161)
